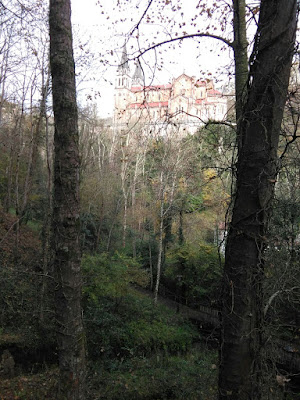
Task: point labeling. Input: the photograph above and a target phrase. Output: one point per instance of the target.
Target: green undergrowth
(122, 323)
(192, 376)
(138, 350)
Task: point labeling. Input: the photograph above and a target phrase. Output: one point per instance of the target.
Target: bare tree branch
(213, 122)
(142, 17)
(294, 138)
(193, 35)
(274, 295)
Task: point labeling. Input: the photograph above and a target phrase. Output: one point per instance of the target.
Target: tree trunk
(133, 204)
(240, 369)
(124, 171)
(160, 239)
(160, 252)
(47, 255)
(150, 264)
(66, 217)
(180, 228)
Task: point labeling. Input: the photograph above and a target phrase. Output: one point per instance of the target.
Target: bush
(120, 321)
(189, 377)
(145, 336)
(195, 272)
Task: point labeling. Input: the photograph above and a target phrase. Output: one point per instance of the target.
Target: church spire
(123, 79)
(124, 64)
(138, 76)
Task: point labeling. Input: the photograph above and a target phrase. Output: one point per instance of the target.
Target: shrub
(191, 377)
(195, 271)
(120, 321)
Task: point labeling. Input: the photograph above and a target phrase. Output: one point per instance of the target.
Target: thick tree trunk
(66, 221)
(240, 369)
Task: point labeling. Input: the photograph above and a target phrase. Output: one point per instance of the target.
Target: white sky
(101, 31)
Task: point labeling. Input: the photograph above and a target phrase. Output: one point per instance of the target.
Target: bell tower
(123, 79)
(138, 76)
(122, 88)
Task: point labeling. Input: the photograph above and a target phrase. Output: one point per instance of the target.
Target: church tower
(123, 79)
(138, 76)
(122, 88)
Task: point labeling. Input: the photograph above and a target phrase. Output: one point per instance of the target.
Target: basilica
(186, 103)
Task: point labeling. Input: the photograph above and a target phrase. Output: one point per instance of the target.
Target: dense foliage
(195, 272)
(121, 322)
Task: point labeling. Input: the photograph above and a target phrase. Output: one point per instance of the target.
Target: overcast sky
(100, 32)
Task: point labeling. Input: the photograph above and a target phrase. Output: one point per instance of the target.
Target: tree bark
(66, 221)
(240, 367)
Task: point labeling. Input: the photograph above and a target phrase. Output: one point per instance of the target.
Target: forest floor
(30, 386)
(190, 375)
(200, 315)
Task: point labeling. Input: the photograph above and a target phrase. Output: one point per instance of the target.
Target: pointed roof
(138, 75)
(124, 64)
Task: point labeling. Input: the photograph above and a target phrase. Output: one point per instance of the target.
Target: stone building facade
(187, 103)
